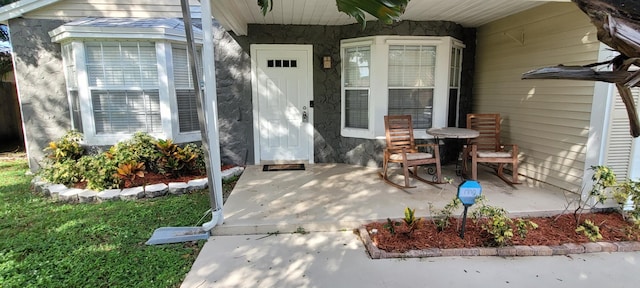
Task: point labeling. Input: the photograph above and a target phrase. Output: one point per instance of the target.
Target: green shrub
(590, 229)
(98, 171)
(66, 148)
(495, 221)
(442, 218)
(66, 165)
(64, 172)
(196, 165)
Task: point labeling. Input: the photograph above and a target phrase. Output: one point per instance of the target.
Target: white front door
(282, 90)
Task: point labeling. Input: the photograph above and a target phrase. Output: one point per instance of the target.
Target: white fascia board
(63, 33)
(17, 9)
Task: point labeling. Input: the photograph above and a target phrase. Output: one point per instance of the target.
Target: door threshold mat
(282, 167)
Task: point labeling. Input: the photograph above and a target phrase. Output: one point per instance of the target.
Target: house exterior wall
(548, 119)
(45, 106)
(329, 145)
(41, 84)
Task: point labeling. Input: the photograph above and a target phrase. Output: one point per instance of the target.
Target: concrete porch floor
(338, 197)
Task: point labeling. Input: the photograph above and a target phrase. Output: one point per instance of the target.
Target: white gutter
(17, 9)
(207, 109)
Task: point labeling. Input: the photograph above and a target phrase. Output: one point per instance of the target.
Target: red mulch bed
(155, 178)
(550, 232)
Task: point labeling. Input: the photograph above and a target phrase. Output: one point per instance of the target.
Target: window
(118, 83)
(454, 85)
(356, 83)
(397, 75)
(411, 82)
(123, 84)
(185, 93)
(72, 86)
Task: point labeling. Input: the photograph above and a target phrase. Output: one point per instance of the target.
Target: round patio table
(453, 133)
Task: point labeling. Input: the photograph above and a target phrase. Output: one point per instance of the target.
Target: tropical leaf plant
(386, 11)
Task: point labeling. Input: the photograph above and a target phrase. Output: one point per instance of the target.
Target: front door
(282, 90)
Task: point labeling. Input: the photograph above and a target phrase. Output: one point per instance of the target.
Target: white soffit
(234, 15)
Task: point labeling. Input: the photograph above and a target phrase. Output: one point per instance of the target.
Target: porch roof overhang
(235, 15)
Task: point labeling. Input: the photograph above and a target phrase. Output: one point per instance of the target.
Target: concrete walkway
(338, 259)
(330, 200)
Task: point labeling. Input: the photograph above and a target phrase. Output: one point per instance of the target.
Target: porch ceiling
(236, 14)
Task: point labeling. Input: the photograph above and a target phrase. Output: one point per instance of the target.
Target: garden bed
(554, 236)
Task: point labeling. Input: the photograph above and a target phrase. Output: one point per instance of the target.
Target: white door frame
(309, 129)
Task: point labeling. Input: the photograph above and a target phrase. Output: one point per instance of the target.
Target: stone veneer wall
(330, 146)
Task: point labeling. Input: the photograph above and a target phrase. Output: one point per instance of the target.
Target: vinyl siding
(548, 119)
(619, 141)
(73, 9)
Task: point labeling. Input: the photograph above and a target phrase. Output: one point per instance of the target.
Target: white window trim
(168, 101)
(355, 132)
(378, 71)
(163, 38)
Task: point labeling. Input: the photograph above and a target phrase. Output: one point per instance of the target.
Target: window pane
(412, 66)
(182, 68)
(187, 110)
(122, 111)
(70, 66)
(119, 65)
(415, 102)
(357, 109)
(75, 110)
(356, 68)
(456, 67)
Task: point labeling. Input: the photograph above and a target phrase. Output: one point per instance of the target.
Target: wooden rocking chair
(402, 149)
(487, 148)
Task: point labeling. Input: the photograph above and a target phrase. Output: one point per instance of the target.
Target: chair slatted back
(489, 127)
(399, 131)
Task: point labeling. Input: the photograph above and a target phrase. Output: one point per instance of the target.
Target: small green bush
(98, 171)
(495, 221)
(65, 163)
(64, 172)
(442, 218)
(66, 148)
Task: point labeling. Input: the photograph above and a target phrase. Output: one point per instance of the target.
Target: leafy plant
(391, 226)
(629, 190)
(411, 221)
(64, 172)
(523, 226)
(66, 148)
(495, 221)
(442, 218)
(128, 172)
(98, 171)
(590, 229)
(386, 11)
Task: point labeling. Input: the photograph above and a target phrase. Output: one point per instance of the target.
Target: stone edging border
(62, 193)
(564, 249)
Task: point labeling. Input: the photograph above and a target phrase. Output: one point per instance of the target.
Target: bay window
(119, 84)
(397, 75)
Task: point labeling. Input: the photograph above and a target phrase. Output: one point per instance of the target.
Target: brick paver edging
(62, 193)
(564, 249)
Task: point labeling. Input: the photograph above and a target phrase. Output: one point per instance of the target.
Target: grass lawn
(49, 244)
